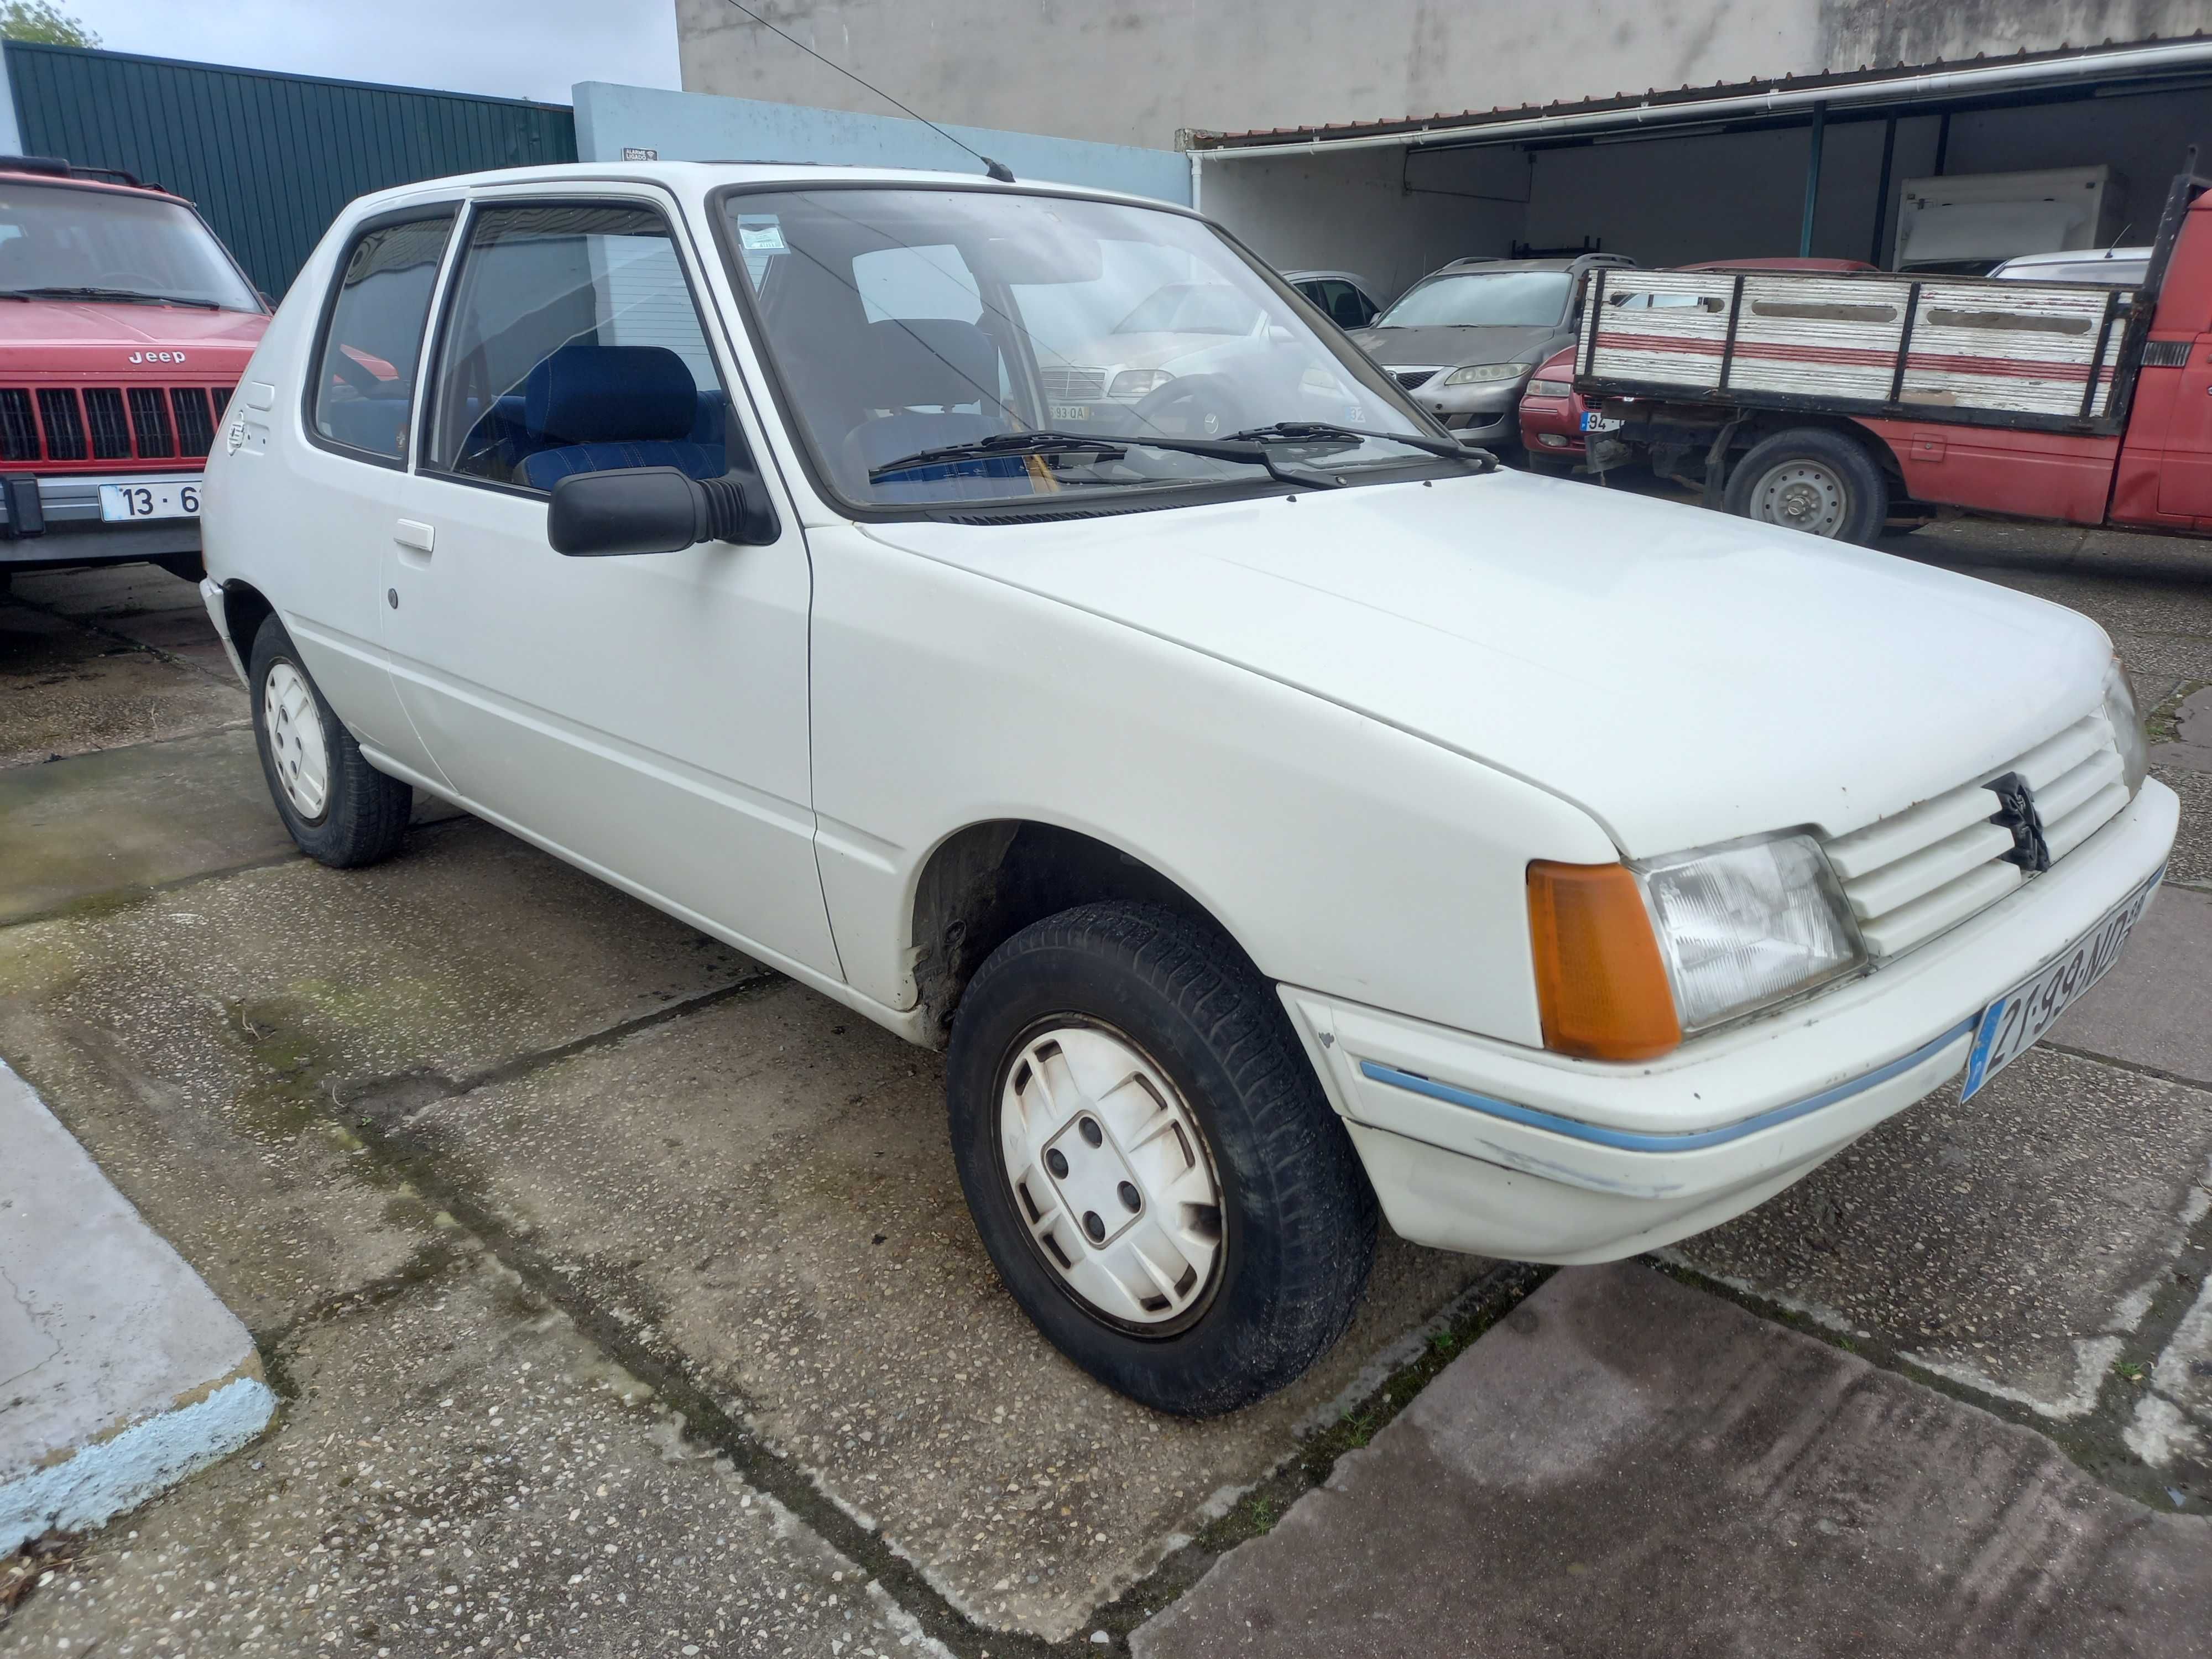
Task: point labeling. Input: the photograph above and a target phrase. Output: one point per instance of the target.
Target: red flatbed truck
(1839, 404)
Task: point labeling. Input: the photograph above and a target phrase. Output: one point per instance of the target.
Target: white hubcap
(295, 739)
(1801, 496)
(1110, 1174)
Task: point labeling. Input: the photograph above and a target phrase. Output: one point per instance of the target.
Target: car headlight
(1747, 923)
(1631, 958)
(2126, 721)
(1136, 382)
(1551, 388)
(1475, 373)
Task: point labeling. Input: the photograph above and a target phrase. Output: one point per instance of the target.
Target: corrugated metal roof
(1653, 98)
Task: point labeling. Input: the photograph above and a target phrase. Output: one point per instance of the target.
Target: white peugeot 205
(1274, 807)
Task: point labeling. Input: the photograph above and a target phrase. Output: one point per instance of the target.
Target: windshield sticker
(761, 239)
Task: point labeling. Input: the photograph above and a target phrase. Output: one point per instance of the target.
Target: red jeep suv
(125, 324)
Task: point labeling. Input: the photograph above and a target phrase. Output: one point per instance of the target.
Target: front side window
(1519, 299)
(61, 242)
(937, 344)
(364, 391)
(572, 344)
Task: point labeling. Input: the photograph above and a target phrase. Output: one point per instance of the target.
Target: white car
(1271, 824)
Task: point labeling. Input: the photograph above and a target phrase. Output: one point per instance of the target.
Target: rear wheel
(1150, 1159)
(340, 809)
(1813, 479)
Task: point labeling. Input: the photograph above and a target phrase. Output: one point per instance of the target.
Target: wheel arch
(983, 882)
(244, 608)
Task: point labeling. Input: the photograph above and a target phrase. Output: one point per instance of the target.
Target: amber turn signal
(1599, 980)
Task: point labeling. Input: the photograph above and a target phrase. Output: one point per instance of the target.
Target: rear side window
(364, 393)
(572, 344)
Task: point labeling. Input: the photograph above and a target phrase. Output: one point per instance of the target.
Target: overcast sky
(511, 48)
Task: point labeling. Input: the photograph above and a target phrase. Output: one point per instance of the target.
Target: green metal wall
(270, 158)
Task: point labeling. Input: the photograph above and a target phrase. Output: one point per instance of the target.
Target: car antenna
(998, 170)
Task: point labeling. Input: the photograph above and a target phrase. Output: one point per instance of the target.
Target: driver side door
(643, 716)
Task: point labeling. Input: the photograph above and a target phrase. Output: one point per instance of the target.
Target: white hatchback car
(1277, 811)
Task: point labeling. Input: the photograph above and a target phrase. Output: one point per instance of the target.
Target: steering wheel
(1191, 406)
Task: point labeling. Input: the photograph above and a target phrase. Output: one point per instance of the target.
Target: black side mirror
(654, 509)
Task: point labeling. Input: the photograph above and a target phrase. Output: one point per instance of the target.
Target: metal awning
(1868, 92)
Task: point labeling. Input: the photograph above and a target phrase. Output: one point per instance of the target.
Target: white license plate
(2016, 1021)
(179, 498)
(1071, 412)
(1593, 422)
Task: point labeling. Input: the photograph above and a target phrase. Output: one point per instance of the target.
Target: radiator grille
(1411, 378)
(19, 432)
(1925, 870)
(1073, 382)
(64, 423)
(111, 429)
(195, 421)
(149, 422)
(109, 423)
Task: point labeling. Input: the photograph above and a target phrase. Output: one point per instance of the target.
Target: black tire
(1297, 1221)
(364, 816)
(1842, 462)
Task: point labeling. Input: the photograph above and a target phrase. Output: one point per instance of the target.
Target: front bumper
(1485, 1147)
(67, 529)
(1485, 412)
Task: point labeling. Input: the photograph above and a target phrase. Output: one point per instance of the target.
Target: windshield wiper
(1243, 452)
(139, 294)
(1326, 432)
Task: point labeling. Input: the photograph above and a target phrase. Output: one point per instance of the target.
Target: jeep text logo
(157, 356)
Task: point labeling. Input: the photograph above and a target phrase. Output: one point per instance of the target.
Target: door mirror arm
(656, 510)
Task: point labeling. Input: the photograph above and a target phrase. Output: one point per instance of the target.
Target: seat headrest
(598, 394)
(930, 360)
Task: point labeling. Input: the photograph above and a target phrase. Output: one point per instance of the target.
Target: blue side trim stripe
(1687, 1141)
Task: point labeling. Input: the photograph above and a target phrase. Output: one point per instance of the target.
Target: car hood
(1684, 676)
(82, 337)
(1451, 347)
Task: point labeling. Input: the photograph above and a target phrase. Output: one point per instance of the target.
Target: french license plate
(1071, 412)
(2016, 1021)
(177, 499)
(1593, 422)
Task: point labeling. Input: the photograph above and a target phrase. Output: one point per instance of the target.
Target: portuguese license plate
(176, 498)
(2016, 1021)
(1593, 422)
(1071, 412)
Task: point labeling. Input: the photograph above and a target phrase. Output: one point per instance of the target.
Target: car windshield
(1525, 298)
(1193, 308)
(56, 239)
(905, 323)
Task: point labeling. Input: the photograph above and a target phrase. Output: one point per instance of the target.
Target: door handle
(410, 532)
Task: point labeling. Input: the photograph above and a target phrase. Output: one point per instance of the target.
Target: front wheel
(1812, 479)
(341, 810)
(1150, 1161)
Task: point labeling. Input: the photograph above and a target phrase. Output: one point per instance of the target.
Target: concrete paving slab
(2154, 1008)
(2191, 747)
(2010, 1241)
(764, 1189)
(185, 1039)
(458, 1470)
(1626, 1467)
(2190, 862)
(120, 1373)
(120, 821)
(117, 824)
(64, 690)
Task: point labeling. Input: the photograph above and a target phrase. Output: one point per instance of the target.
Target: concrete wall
(689, 127)
(1135, 71)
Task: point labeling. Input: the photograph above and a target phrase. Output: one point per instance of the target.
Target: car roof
(1479, 262)
(1321, 275)
(696, 178)
(2080, 256)
(71, 181)
(1782, 263)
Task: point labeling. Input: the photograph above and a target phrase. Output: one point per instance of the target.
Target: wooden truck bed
(2035, 355)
